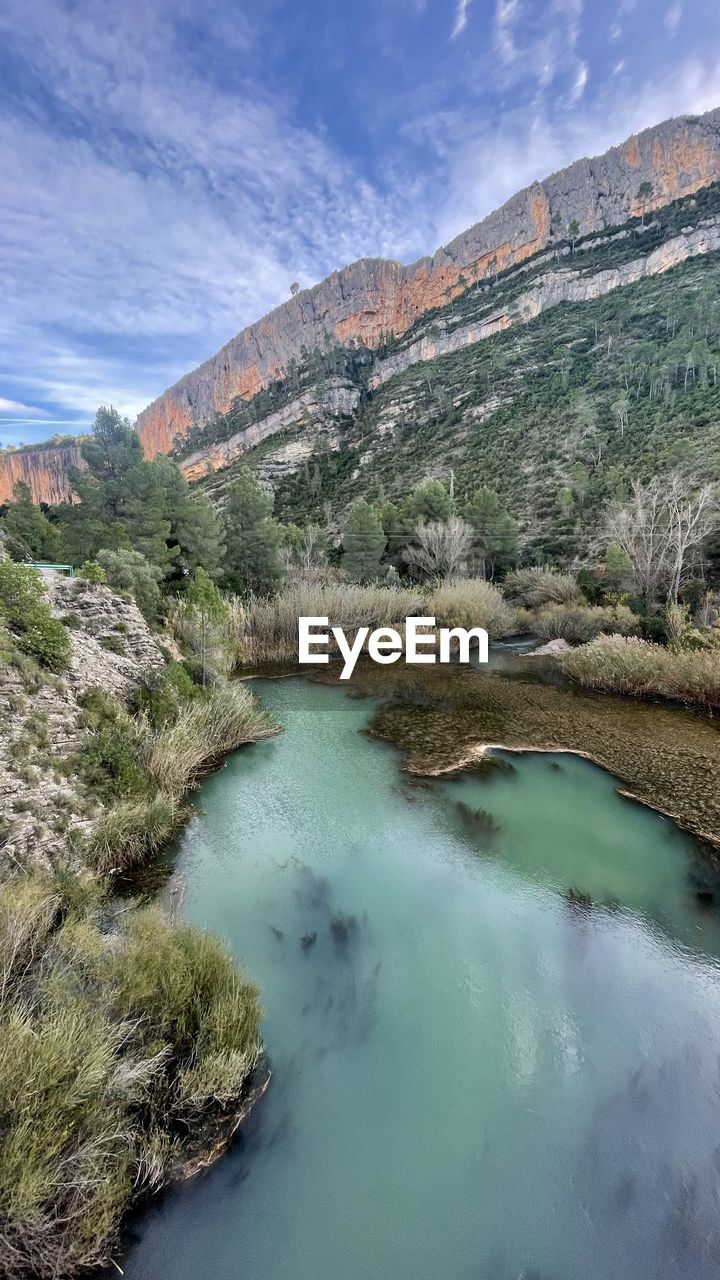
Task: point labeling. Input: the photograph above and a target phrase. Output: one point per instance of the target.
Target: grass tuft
(627, 665)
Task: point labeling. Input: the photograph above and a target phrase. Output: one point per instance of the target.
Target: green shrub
(129, 572)
(631, 666)
(538, 586)
(206, 729)
(131, 831)
(160, 694)
(93, 572)
(185, 990)
(98, 706)
(113, 644)
(112, 761)
(109, 1046)
(25, 611)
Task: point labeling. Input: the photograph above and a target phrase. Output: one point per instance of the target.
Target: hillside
(305, 373)
(373, 298)
(557, 414)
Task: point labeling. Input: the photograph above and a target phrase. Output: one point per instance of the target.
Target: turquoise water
(473, 1078)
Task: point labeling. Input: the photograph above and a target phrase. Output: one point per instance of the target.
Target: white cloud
(18, 409)
(506, 12)
(672, 18)
(170, 215)
(580, 84)
(171, 212)
(492, 161)
(461, 16)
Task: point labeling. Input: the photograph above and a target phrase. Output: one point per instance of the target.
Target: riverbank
(141, 1038)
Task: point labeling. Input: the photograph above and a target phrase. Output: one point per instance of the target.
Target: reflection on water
(493, 1013)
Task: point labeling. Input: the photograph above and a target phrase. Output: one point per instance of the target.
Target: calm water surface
(474, 1079)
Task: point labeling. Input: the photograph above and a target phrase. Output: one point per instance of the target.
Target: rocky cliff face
(373, 298)
(44, 723)
(550, 290)
(46, 470)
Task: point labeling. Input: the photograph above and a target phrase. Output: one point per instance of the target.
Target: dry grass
(535, 587)
(109, 1043)
(133, 830)
(204, 731)
(473, 602)
(579, 623)
(267, 630)
(618, 664)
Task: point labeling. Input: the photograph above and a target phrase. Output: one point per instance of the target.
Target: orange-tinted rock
(374, 298)
(45, 469)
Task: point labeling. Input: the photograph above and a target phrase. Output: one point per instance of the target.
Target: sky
(168, 168)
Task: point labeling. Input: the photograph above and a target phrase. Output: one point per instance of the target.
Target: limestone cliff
(45, 469)
(374, 298)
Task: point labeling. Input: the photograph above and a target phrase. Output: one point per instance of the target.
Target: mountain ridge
(372, 297)
(374, 300)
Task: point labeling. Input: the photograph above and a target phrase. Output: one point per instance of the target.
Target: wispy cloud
(461, 17)
(160, 192)
(17, 409)
(495, 159)
(673, 18)
(506, 12)
(580, 84)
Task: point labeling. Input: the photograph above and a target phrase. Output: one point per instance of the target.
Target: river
(474, 1078)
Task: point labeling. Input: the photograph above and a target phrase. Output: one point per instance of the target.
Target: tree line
(141, 527)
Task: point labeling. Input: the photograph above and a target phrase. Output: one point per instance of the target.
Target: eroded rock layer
(374, 298)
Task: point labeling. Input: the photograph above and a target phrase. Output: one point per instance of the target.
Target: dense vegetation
(115, 1034)
(558, 416)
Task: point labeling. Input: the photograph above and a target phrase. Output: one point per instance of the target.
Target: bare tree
(307, 552)
(294, 288)
(658, 528)
(440, 550)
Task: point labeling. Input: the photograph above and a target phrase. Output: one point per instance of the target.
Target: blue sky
(168, 168)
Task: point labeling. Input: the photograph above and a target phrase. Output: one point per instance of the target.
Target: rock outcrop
(550, 290)
(374, 298)
(45, 469)
(44, 723)
(321, 410)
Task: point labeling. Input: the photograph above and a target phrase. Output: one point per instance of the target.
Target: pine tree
(30, 534)
(495, 533)
(196, 533)
(253, 539)
(209, 617)
(363, 543)
(429, 501)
